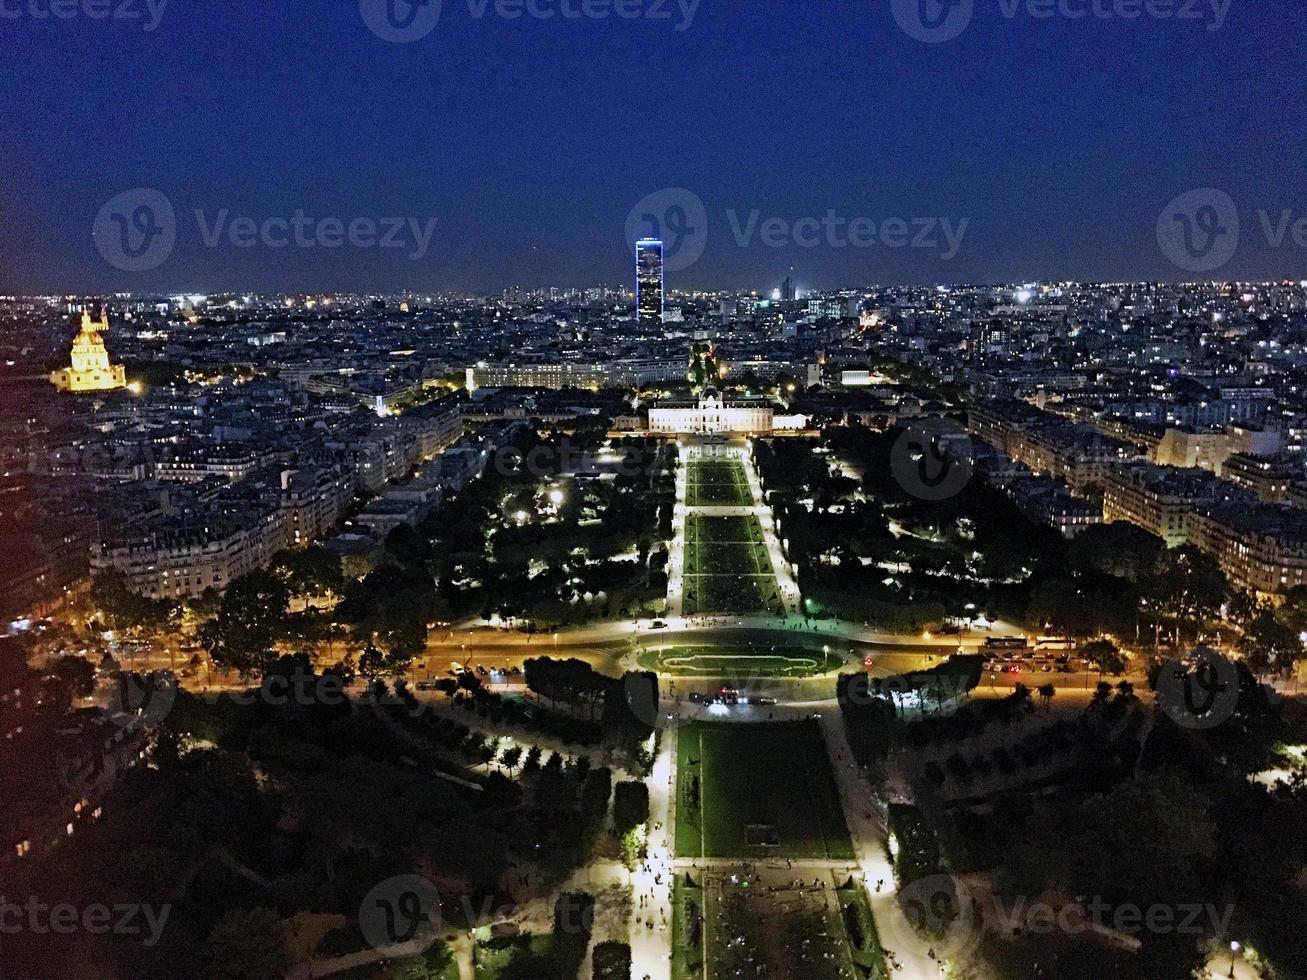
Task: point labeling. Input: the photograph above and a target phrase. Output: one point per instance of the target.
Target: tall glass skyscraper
(649, 280)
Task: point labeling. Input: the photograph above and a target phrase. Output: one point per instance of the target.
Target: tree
(1046, 692)
(611, 961)
(247, 944)
(309, 571)
(1269, 646)
(1106, 654)
(512, 758)
(393, 605)
(1293, 612)
(630, 806)
(76, 673)
(125, 609)
(253, 616)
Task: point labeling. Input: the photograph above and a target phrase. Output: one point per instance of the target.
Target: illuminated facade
(649, 280)
(91, 369)
(711, 415)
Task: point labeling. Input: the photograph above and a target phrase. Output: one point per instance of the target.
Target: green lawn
(727, 568)
(687, 930)
(757, 791)
(717, 484)
(695, 661)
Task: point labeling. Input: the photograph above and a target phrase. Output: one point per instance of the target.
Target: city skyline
(653, 490)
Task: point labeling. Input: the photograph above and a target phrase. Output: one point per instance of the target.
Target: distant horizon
(684, 292)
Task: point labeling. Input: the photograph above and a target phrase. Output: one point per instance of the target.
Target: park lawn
(703, 530)
(732, 594)
(773, 776)
(870, 956)
(727, 568)
(687, 936)
(730, 558)
(717, 495)
(697, 661)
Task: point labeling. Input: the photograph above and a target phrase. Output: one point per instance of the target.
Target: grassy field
(772, 924)
(727, 568)
(687, 930)
(757, 791)
(724, 662)
(717, 484)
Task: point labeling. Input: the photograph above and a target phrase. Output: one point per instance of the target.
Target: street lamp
(1234, 951)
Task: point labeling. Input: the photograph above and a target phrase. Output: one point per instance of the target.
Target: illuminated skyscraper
(649, 280)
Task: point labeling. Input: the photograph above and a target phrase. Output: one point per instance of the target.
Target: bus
(1060, 644)
(1005, 644)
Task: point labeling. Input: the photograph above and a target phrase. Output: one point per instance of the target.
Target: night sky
(529, 141)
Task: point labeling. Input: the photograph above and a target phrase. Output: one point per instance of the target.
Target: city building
(649, 280)
(711, 414)
(90, 370)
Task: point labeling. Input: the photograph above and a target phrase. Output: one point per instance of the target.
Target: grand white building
(712, 414)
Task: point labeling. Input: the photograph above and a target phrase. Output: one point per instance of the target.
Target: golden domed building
(91, 368)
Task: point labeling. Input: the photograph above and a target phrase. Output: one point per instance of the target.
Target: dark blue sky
(529, 141)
